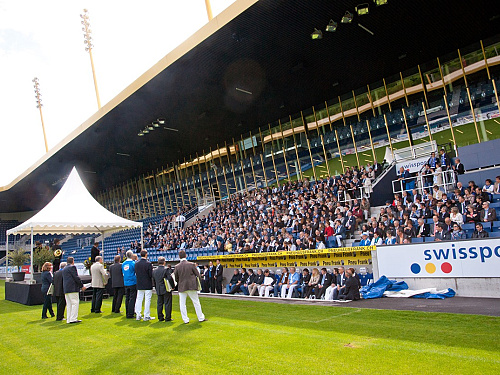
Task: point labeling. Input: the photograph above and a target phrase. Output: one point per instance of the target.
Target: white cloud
(44, 39)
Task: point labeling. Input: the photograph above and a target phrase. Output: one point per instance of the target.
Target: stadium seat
(429, 239)
(417, 240)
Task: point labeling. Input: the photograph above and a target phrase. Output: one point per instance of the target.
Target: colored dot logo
(415, 268)
(446, 267)
(431, 268)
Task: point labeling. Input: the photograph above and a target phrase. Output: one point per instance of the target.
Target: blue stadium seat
(495, 205)
(429, 239)
(417, 240)
(469, 226)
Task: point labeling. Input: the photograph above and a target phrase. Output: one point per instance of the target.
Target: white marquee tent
(72, 211)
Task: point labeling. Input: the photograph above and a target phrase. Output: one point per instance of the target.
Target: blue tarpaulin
(377, 289)
(450, 293)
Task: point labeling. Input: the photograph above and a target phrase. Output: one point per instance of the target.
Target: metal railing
(447, 185)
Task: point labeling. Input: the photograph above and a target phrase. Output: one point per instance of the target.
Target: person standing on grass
(99, 280)
(72, 285)
(115, 271)
(59, 292)
(162, 276)
(219, 269)
(130, 282)
(144, 275)
(47, 280)
(188, 278)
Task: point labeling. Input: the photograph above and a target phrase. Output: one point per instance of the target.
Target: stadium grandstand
(278, 129)
(307, 158)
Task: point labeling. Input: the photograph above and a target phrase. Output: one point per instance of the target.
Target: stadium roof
(262, 47)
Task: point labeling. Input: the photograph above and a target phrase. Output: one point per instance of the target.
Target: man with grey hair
(99, 280)
(59, 292)
(164, 284)
(130, 283)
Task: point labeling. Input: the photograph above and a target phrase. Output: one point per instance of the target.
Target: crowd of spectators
(318, 284)
(296, 215)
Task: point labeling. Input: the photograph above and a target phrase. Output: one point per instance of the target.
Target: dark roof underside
(266, 50)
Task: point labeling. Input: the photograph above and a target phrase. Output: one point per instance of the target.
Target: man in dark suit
(423, 230)
(163, 291)
(458, 167)
(188, 280)
(487, 213)
(59, 292)
(480, 232)
(115, 271)
(71, 286)
(218, 276)
(339, 282)
(442, 234)
(351, 289)
(211, 277)
(325, 279)
(377, 168)
(462, 205)
(144, 275)
(94, 252)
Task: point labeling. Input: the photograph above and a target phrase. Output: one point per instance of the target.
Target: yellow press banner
(345, 256)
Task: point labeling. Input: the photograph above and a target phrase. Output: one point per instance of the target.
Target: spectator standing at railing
(438, 174)
(445, 159)
(458, 167)
(432, 160)
(403, 175)
(428, 179)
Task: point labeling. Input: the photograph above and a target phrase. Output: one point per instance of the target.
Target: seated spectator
(365, 241)
(410, 230)
(351, 288)
(282, 281)
(340, 232)
(401, 237)
(390, 239)
(480, 232)
(293, 282)
(242, 277)
(325, 280)
(456, 216)
(457, 233)
(496, 186)
(488, 188)
(487, 213)
(306, 277)
(234, 280)
(247, 281)
(253, 289)
(442, 234)
(311, 284)
(471, 216)
(436, 193)
(376, 240)
(267, 285)
(423, 229)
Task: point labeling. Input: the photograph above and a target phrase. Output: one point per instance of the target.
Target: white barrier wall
(470, 267)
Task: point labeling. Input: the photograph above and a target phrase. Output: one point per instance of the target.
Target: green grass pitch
(249, 337)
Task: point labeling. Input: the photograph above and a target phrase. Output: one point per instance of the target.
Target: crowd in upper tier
(295, 215)
(305, 215)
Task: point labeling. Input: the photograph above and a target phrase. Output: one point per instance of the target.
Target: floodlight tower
(87, 40)
(38, 97)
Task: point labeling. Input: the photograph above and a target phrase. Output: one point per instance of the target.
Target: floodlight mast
(87, 40)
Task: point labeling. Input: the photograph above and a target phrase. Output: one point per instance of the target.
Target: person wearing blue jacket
(46, 283)
(365, 239)
(130, 282)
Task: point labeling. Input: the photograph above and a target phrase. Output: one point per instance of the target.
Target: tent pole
(31, 256)
(6, 255)
(102, 234)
